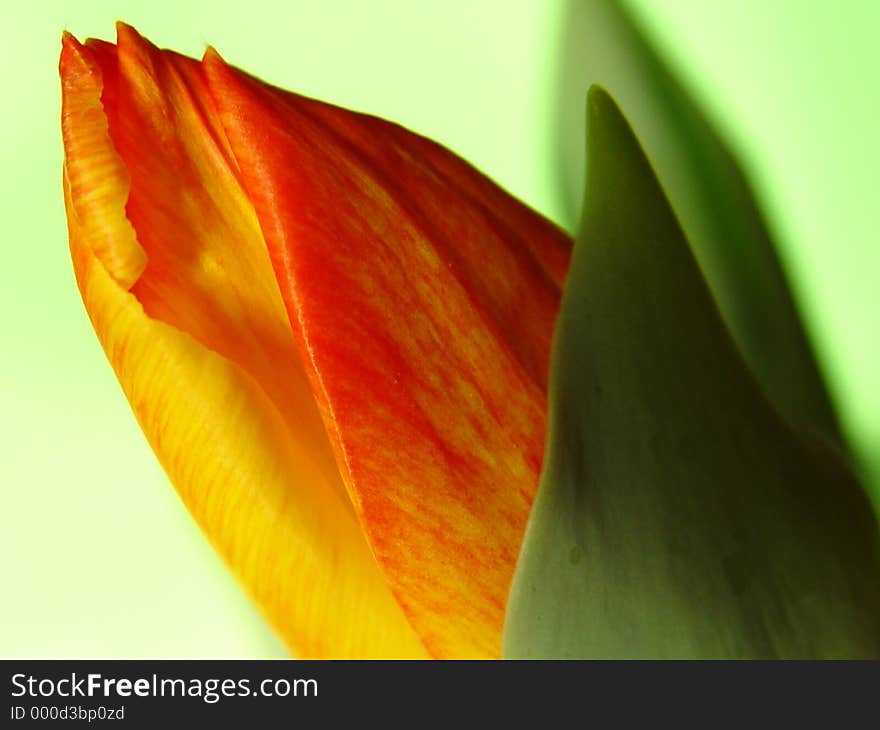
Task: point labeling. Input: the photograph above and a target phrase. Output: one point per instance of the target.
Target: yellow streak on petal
(97, 177)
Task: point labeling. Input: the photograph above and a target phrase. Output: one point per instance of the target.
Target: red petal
(424, 299)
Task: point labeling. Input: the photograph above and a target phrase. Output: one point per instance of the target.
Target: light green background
(97, 555)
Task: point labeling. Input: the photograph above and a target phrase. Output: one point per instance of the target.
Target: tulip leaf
(679, 515)
(707, 189)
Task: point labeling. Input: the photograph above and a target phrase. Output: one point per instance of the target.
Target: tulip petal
(184, 302)
(424, 299)
(678, 516)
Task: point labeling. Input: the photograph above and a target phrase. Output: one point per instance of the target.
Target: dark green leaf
(678, 515)
(709, 193)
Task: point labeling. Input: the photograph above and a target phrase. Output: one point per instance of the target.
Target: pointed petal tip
(75, 61)
(68, 39)
(123, 29)
(211, 55)
(71, 49)
(216, 68)
(128, 37)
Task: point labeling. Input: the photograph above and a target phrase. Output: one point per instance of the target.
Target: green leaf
(679, 515)
(709, 193)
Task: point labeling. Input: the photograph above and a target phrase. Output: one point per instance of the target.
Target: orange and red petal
(174, 274)
(423, 299)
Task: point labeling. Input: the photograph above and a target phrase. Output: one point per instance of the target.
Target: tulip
(334, 333)
(336, 337)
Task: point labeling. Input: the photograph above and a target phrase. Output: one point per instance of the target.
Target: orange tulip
(334, 333)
